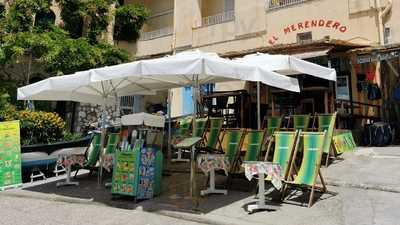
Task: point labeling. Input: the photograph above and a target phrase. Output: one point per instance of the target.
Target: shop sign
(375, 57)
(310, 24)
(10, 155)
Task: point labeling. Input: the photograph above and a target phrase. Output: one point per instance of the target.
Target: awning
(312, 54)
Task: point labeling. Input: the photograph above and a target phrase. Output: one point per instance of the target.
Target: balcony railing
(218, 18)
(156, 33)
(277, 4)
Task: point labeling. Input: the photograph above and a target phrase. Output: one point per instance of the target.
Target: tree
(48, 49)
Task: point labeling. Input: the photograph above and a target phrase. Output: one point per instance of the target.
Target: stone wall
(88, 114)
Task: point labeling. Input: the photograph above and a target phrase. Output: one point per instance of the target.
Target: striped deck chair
(231, 143)
(285, 144)
(301, 122)
(212, 137)
(112, 143)
(200, 128)
(199, 131)
(312, 146)
(92, 155)
(181, 133)
(273, 124)
(183, 129)
(252, 143)
(326, 123)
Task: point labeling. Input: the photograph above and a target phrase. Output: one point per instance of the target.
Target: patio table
(208, 163)
(69, 157)
(261, 168)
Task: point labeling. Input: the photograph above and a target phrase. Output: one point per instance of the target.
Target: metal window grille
(219, 18)
(277, 4)
(126, 104)
(144, 36)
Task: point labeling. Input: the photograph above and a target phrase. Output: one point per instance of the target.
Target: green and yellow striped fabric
(301, 122)
(112, 143)
(273, 124)
(93, 151)
(214, 132)
(326, 122)
(254, 141)
(201, 124)
(231, 143)
(184, 127)
(312, 153)
(284, 145)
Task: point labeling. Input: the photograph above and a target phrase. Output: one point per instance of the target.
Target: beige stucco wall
(359, 27)
(255, 25)
(149, 47)
(394, 22)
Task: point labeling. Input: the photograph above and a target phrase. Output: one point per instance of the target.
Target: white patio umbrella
(80, 87)
(187, 68)
(285, 65)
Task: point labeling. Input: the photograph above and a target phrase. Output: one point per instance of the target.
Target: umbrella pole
(193, 190)
(102, 141)
(169, 153)
(258, 106)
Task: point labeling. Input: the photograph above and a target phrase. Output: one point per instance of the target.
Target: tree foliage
(129, 19)
(20, 16)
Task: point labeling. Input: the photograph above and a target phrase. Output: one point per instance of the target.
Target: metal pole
(169, 153)
(193, 189)
(102, 141)
(258, 106)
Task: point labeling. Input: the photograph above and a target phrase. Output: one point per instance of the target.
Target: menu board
(10, 155)
(146, 174)
(124, 175)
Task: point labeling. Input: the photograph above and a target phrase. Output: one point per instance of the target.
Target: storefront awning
(313, 54)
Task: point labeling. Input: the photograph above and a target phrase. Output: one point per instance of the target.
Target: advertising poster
(10, 155)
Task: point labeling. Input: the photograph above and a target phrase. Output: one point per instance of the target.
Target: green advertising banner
(10, 155)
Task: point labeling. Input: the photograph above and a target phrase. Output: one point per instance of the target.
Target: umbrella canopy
(181, 70)
(77, 87)
(286, 64)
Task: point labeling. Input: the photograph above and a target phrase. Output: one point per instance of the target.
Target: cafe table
(69, 157)
(259, 170)
(209, 163)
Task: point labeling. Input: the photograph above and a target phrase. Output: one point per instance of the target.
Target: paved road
(28, 211)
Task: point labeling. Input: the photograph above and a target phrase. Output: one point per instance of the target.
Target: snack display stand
(138, 166)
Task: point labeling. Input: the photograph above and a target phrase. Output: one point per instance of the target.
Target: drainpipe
(381, 18)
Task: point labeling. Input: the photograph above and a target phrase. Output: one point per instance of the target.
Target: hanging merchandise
(396, 93)
(370, 75)
(374, 93)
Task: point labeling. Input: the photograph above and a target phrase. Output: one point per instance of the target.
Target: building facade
(359, 38)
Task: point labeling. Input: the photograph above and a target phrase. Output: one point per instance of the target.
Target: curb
(49, 197)
(362, 186)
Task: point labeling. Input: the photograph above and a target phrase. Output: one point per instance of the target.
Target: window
(229, 5)
(304, 37)
(386, 35)
(342, 88)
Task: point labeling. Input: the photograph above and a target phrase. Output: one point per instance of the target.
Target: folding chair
(212, 138)
(92, 155)
(310, 168)
(182, 132)
(326, 123)
(301, 122)
(285, 144)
